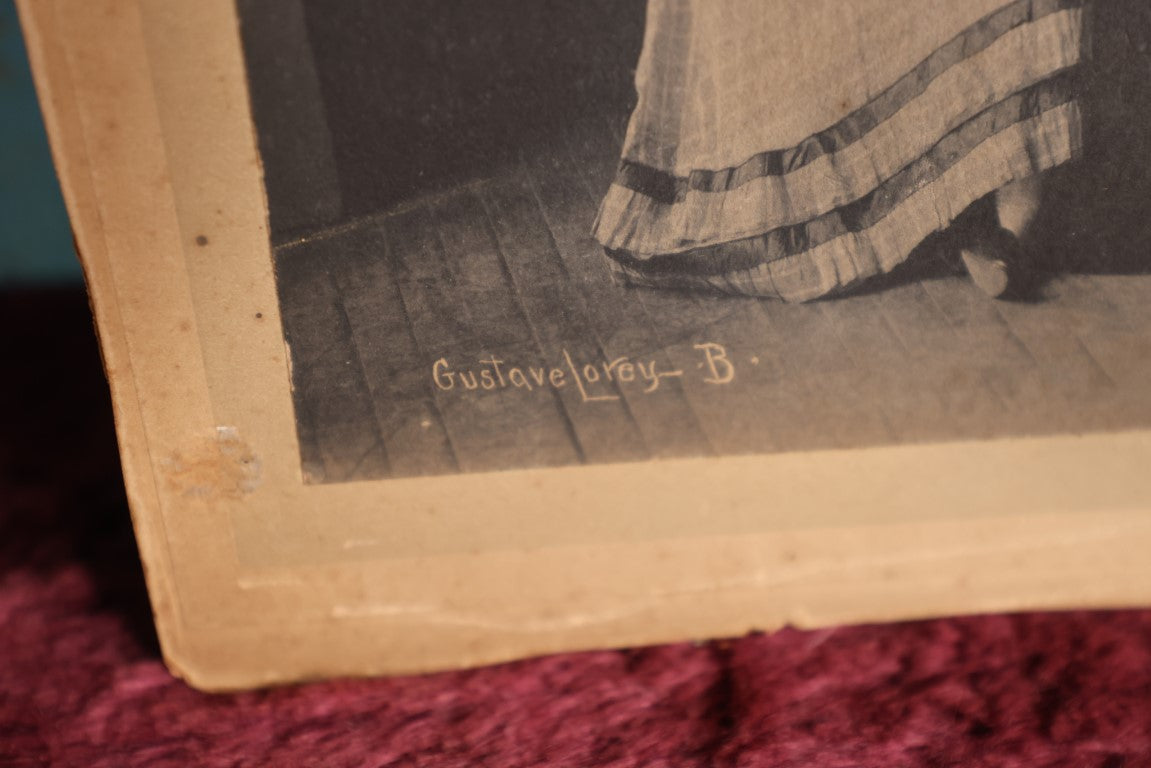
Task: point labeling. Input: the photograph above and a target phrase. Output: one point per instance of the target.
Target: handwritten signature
(597, 381)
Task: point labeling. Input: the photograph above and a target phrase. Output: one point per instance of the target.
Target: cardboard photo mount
(258, 578)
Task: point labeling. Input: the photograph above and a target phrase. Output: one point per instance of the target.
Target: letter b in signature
(720, 369)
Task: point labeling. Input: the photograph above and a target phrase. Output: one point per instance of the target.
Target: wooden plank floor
(545, 359)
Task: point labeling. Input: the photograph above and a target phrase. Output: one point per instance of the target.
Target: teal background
(35, 237)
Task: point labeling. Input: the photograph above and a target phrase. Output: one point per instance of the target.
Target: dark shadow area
(933, 259)
(423, 96)
(62, 500)
(363, 105)
(1097, 212)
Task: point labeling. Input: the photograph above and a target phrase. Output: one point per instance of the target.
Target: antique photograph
(512, 235)
(443, 334)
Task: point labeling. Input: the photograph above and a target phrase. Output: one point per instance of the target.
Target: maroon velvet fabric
(81, 682)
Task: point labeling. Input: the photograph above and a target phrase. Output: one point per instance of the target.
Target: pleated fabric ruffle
(747, 168)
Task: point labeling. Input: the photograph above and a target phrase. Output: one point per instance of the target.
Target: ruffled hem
(796, 266)
(995, 104)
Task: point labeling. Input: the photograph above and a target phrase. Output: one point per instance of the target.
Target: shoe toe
(990, 274)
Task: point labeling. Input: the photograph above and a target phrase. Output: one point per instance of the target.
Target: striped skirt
(793, 149)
